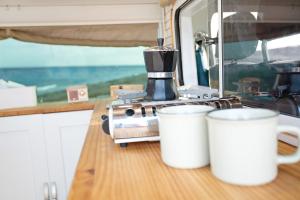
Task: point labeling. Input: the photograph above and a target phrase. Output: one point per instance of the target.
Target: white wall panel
(74, 2)
(79, 15)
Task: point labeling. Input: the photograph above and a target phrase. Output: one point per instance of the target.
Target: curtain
(116, 35)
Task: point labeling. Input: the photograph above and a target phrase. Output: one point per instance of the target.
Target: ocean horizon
(55, 78)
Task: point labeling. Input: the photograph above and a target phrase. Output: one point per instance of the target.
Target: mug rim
(272, 115)
(209, 109)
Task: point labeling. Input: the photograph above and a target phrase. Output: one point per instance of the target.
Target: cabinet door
(65, 135)
(23, 168)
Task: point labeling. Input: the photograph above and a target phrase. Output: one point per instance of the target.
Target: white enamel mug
(183, 135)
(243, 145)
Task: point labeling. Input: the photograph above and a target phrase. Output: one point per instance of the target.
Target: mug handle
(295, 157)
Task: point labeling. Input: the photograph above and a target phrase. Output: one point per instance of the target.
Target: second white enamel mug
(243, 145)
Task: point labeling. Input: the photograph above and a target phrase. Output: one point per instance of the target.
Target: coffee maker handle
(295, 157)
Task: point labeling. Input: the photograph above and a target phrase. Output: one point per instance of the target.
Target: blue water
(49, 79)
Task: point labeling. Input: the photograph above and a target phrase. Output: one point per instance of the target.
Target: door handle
(46, 191)
(53, 191)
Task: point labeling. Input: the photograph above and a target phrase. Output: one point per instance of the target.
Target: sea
(49, 79)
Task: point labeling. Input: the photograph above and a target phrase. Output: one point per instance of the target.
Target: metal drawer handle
(53, 191)
(46, 191)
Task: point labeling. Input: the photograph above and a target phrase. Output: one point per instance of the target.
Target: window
(284, 48)
(53, 68)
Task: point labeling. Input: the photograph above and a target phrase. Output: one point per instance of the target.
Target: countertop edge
(45, 109)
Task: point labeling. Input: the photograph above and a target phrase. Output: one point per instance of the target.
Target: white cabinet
(38, 149)
(23, 166)
(65, 134)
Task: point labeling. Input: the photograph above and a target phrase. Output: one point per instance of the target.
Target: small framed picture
(77, 93)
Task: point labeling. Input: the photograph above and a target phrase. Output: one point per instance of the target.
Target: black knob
(105, 124)
(129, 112)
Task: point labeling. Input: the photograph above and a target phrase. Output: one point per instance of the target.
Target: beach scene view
(53, 68)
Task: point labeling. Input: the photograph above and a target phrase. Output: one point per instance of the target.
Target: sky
(14, 53)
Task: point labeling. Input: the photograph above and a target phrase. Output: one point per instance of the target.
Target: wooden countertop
(105, 171)
(49, 108)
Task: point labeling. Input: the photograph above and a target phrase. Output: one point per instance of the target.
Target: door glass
(261, 53)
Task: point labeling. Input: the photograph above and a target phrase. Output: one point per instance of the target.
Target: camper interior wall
(19, 15)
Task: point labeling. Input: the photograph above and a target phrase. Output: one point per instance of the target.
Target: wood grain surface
(51, 108)
(107, 172)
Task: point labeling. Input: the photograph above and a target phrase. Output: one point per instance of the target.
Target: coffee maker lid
(160, 48)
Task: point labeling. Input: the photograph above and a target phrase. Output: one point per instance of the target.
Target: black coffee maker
(161, 64)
